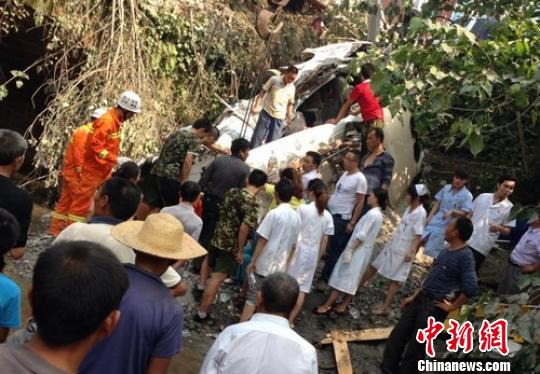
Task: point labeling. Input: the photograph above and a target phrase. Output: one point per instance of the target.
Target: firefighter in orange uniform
(101, 152)
(71, 173)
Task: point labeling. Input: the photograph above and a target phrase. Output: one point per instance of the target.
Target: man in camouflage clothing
(172, 167)
(237, 216)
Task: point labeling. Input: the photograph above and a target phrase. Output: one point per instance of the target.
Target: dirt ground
(198, 338)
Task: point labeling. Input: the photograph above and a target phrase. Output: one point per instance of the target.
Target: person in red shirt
(101, 152)
(362, 94)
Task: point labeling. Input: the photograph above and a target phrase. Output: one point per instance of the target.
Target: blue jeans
(268, 128)
(336, 245)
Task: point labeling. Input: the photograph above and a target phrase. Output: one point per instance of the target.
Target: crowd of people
(103, 295)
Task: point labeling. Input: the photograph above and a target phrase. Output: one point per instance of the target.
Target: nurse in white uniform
(395, 260)
(354, 260)
(316, 226)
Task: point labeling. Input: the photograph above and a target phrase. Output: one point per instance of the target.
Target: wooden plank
(361, 335)
(341, 351)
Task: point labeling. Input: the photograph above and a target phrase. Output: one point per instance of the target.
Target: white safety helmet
(129, 100)
(98, 113)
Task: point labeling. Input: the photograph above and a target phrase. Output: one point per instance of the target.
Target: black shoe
(207, 319)
(197, 294)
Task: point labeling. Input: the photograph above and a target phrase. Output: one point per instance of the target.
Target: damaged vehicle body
(321, 89)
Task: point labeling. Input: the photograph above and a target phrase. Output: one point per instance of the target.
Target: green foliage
(460, 90)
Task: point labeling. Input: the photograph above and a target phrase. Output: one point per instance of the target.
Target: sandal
(317, 312)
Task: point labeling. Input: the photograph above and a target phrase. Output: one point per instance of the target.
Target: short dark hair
(9, 234)
(279, 293)
(357, 155)
(382, 196)
(461, 174)
(285, 190)
(379, 133)
(123, 197)
(465, 228)
(214, 132)
(76, 285)
(506, 177)
(317, 159)
(190, 191)
(367, 70)
(203, 123)
(239, 145)
(12, 145)
(127, 170)
(292, 69)
(257, 178)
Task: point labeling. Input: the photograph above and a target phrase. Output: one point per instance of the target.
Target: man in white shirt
(277, 236)
(346, 205)
(116, 201)
(265, 344)
(277, 95)
(490, 216)
(190, 195)
(310, 164)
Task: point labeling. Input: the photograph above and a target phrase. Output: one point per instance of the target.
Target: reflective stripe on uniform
(74, 218)
(60, 216)
(114, 135)
(103, 153)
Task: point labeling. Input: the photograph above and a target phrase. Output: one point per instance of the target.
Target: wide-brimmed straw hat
(160, 235)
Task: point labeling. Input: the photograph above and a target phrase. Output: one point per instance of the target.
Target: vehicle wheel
(264, 24)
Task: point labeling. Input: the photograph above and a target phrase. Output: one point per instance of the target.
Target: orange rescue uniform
(100, 156)
(71, 173)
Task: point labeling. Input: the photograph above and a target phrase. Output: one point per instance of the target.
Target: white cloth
(306, 255)
(280, 227)
(306, 178)
(278, 96)
(484, 213)
(346, 276)
(343, 199)
(185, 213)
(390, 263)
(264, 345)
(100, 233)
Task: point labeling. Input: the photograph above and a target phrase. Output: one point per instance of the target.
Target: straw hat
(160, 235)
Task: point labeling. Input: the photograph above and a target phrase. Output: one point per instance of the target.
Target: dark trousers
(210, 215)
(336, 245)
(478, 260)
(169, 191)
(267, 129)
(402, 351)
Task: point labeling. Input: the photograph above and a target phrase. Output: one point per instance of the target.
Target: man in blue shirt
(150, 330)
(448, 285)
(10, 294)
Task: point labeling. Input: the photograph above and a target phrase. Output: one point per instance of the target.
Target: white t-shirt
(343, 199)
(264, 345)
(314, 226)
(306, 178)
(484, 213)
(278, 96)
(100, 233)
(280, 227)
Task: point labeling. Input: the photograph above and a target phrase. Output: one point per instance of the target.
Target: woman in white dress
(317, 225)
(395, 260)
(357, 254)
